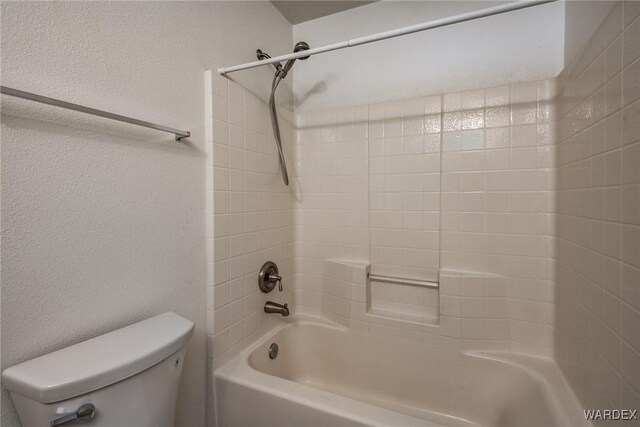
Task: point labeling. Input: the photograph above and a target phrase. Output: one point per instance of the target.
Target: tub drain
(273, 351)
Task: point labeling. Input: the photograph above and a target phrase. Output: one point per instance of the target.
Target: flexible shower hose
(276, 127)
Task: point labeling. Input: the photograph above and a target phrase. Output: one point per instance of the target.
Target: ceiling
(301, 11)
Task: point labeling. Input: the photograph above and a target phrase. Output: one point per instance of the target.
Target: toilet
(128, 377)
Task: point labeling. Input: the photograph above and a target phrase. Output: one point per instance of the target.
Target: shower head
(300, 46)
(263, 55)
(281, 73)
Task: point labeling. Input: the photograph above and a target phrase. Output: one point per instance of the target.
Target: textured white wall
(103, 223)
(518, 46)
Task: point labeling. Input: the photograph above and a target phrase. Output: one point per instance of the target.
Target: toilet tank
(130, 377)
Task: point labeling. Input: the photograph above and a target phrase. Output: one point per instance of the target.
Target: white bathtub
(329, 376)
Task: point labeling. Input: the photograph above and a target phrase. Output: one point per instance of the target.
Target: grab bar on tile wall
(179, 134)
(403, 281)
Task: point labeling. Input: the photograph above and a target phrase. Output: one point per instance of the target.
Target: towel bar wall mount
(179, 134)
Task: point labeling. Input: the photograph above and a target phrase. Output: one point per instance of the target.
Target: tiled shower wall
(249, 215)
(404, 188)
(598, 202)
(332, 204)
(497, 192)
(458, 182)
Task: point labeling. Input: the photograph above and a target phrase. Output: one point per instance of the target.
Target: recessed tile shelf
(408, 300)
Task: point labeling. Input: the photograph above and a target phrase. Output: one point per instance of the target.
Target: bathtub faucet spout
(274, 307)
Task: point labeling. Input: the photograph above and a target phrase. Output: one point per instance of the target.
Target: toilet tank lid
(100, 361)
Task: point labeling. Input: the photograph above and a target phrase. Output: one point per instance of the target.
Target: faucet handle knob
(274, 277)
(268, 277)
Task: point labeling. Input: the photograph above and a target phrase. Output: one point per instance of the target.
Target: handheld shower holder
(281, 73)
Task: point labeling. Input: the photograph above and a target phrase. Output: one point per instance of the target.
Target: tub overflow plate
(273, 351)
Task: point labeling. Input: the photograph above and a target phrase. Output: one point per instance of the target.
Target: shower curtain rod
(496, 10)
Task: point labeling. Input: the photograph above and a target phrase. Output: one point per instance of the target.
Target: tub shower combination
(339, 366)
(310, 371)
